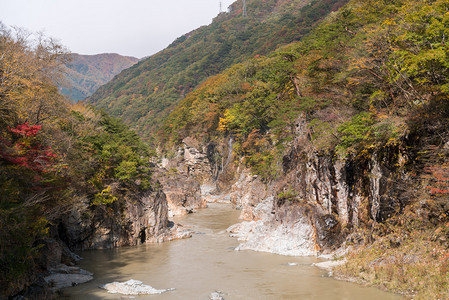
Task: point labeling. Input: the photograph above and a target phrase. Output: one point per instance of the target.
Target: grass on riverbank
(414, 263)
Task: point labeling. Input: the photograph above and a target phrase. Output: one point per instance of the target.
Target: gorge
(312, 130)
(208, 263)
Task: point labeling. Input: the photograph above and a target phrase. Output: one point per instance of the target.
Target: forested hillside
(84, 74)
(369, 84)
(52, 155)
(360, 79)
(144, 94)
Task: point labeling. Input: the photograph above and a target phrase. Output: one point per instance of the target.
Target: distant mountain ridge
(86, 73)
(144, 94)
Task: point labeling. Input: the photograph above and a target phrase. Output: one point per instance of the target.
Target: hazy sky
(128, 27)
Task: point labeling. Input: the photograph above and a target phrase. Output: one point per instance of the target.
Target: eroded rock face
(311, 208)
(355, 191)
(183, 193)
(291, 235)
(144, 217)
(129, 221)
(50, 253)
(190, 178)
(320, 180)
(288, 227)
(56, 269)
(247, 192)
(194, 161)
(317, 201)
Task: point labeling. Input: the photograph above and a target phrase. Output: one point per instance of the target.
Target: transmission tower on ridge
(221, 10)
(244, 8)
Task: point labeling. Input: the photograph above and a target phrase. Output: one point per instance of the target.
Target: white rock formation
(64, 276)
(132, 287)
(284, 239)
(267, 235)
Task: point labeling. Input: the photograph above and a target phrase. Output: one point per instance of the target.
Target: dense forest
(52, 154)
(144, 94)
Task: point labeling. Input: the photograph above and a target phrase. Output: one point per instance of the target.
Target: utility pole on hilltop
(244, 8)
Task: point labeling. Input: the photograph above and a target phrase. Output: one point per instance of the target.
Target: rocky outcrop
(183, 193)
(129, 221)
(192, 160)
(190, 178)
(134, 218)
(56, 269)
(314, 204)
(288, 227)
(303, 223)
(318, 200)
(287, 232)
(356, 191)
(53, 252)
(64, 276)
(247, 192)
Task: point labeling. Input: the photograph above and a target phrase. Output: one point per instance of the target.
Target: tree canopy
(52, 154)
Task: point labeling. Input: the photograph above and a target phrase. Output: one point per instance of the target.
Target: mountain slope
(144, 94)
(57, 158)
(362, 100)
(84, 74)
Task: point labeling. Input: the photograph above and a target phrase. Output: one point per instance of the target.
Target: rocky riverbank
(134, 219)
(315, 207)
(57, 265)
(316, 203)
(324, 206)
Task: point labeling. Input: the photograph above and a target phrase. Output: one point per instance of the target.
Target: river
(207, 262)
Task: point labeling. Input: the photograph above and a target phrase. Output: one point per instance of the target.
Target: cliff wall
(134, 219)
(317, 202)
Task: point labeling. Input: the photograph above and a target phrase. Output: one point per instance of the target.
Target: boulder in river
(132, 287)
(64, 276)
(216, 296)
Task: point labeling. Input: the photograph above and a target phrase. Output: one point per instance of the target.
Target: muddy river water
(207, 262)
